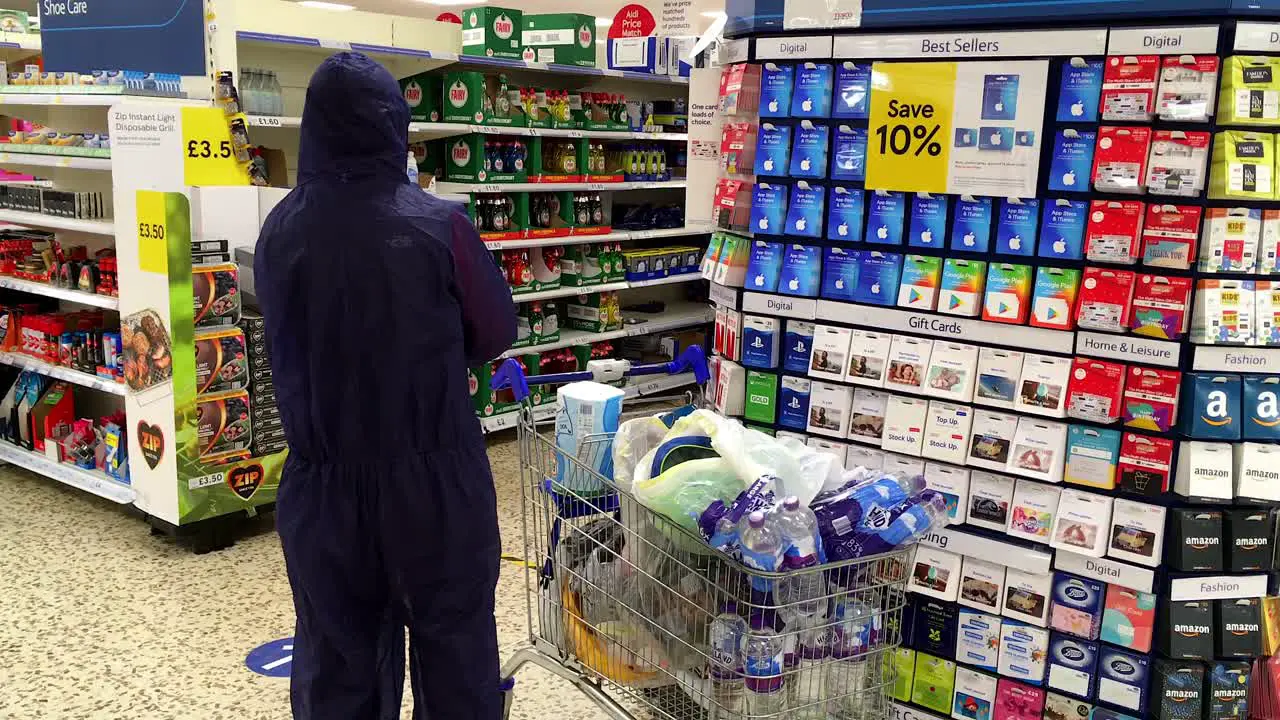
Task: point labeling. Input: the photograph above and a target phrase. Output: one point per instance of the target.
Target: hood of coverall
(355, 124)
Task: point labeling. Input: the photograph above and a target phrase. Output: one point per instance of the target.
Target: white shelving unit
(673, 318)
(56, 161)
(89, 481)
(54, 222)
(58, 372)
(283, 39)
(76, 296)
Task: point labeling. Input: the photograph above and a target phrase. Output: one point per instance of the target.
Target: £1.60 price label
(910, 126)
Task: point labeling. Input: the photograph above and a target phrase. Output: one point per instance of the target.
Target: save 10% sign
(910, 122)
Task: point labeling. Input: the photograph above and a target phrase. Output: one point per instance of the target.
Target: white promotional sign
(799, 308)
(1194, 40)
(1025, 43)
(1257, 37)
(1128, 348)
(1105, 570)
(1236, 359)
(946, 327)
(793, 48)
(1217, 587)
(724, 296)
(816, 14)
(1028, 560)
(704, 144)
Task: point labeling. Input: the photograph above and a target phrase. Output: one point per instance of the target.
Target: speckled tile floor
(100, 620)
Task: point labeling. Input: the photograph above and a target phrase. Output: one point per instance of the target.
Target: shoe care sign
(163, 36)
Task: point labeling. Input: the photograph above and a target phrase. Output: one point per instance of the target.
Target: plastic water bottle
(762, 662)
(806, 688)
(277, 96)
(801, 592)
(413, 168)
(846, 678)
(761, 548)
(726, 633)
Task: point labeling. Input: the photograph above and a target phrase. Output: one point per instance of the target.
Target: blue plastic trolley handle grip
(511, 373)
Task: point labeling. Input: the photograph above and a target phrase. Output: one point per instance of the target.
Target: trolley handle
(511, 373)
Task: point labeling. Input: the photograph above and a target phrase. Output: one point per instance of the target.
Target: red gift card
(738, 147)
(1169, 235)
(1139, 613)
(1129, 87)
(732, 204)
(1114, 231)
(1120, 159)
(1151, 398)
(1145, 464)
(1093, 393)
(1105, 299)
(1177, 163)
(1160, 306)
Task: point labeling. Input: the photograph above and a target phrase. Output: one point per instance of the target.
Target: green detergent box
(473, 97)
(564, 38)
(492, 32)
(762, 397)
(423, 94)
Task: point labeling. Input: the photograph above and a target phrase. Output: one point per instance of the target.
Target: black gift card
(1186, 630)
(1178, 689)
(934, 627)
(1195, 541)
(1228, 689)
(1239, 628)
(1249, 533)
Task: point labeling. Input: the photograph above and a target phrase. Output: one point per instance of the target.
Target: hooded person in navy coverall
(377, 299)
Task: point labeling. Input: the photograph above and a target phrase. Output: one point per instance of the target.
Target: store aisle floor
(100, 620)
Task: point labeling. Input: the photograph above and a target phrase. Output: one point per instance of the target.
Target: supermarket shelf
(616, 236)
(87, 480)
(77, 296)
(670, 280)
(40, 220)
(15, 46)
(433, 130)
(569, 292)
(440, 59)
(58, 161)
(71, 98)
(604, 287)
(674, 318)
(640, 387)
(60, 373)
(508, 419)
(456, 187)
(1228, 358)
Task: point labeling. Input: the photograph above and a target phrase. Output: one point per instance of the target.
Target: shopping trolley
(623, 602)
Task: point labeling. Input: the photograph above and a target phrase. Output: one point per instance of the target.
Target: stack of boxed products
(570, 39)
(39, 414)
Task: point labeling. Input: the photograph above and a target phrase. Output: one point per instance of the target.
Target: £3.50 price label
(911, 121)
(153, 249)
(208, 155)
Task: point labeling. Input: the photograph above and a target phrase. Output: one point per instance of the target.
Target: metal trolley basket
(621, 600)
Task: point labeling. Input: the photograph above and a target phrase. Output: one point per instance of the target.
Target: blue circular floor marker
(274, 659)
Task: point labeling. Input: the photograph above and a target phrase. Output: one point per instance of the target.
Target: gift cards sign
(956, 127)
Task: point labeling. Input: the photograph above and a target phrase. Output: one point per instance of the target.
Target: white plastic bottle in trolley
(847, 672)
(766, 693)
(802, 599)
(727, 632)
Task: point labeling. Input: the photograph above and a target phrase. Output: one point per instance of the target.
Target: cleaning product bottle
(413, 168)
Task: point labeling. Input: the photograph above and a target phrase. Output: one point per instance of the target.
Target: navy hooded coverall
(377, 299)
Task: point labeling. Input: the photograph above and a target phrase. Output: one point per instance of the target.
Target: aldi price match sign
(962, 128)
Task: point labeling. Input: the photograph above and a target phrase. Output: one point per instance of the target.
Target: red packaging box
(1106, 297)
(1129, 87)
(1094, 391)
(1138, 610)
(1120, 159)
(740, 89)
(1161, 306)
(731, 207)
(738, 148)
(1169, 235)
(1145, 465)
(1114, 232)
(1151, 398)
